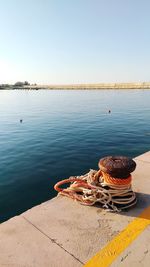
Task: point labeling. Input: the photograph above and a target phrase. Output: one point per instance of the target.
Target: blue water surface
(63, 133)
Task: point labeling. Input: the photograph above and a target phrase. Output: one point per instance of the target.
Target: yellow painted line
(115, 247)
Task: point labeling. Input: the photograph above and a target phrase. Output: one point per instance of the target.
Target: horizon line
(75, 84)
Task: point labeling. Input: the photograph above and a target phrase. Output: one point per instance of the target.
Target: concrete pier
(61, 232)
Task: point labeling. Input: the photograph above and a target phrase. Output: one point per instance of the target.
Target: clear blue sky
(74, 41)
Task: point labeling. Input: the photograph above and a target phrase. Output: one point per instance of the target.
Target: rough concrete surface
(137, 254)
(61, 232)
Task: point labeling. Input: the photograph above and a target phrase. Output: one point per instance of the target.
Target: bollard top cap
(117, 166)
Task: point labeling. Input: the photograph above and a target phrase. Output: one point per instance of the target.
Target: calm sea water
(64, 133)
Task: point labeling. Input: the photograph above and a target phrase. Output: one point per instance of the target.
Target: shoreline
(100, 86)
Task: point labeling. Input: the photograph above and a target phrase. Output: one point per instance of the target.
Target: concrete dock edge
(61, 232)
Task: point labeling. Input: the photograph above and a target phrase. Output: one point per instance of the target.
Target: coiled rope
(96, 186)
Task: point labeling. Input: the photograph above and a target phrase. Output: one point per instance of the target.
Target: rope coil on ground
(98, 187)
